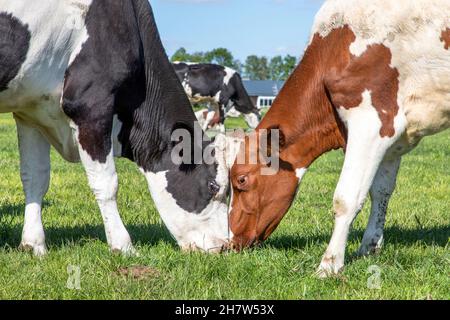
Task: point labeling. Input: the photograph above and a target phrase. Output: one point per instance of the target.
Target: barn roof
(263, 87)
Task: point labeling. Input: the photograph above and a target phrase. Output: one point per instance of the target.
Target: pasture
(415, 262)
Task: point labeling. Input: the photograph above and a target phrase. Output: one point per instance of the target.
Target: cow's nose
(214, 187)
(229, 246)
(241, 242)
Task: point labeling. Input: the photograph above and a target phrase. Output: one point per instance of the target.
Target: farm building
(263, 92)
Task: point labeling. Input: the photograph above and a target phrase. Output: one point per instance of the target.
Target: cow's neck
(155, 97)
(303, 110)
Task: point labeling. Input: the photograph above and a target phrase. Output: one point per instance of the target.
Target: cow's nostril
(231, 246)
(213, 187)
(225, 248)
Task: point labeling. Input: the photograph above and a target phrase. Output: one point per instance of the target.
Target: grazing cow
(219, 86)
(91, 78)
(374, 80)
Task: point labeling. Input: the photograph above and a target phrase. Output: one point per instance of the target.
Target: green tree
(257, 68)
(276, 67)
(289, 64)
(198, 57)
(282, 67)
(238, 66)
(180, 55)
(220, 56)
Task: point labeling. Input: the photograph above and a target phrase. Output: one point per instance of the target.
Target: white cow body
(412, 32)
(34, 96)
(411, 29)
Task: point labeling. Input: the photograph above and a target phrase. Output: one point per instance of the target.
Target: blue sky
(261, 27)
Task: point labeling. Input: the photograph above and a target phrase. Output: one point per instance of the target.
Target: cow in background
(220, 87)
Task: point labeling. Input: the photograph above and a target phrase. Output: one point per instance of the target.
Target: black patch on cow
(123, 70)
(240, 97)
(193, 200)
(189, 184)
(206, 80)
(14, 44)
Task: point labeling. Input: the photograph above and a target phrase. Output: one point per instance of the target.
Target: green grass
(236, 123)
(414, 263)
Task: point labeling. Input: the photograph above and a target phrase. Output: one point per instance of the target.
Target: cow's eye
(242, 180)
(213, 187)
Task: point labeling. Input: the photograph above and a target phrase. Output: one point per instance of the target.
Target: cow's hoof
(39, 250)
(126, 251)
(365, 251)
(328, 269)
(371, 248)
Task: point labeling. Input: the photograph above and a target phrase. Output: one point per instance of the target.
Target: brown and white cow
(374, 80)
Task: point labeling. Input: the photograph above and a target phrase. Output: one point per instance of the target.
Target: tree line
(255, 67)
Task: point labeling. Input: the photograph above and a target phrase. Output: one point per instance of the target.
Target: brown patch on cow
(339, 207)
(138, 272)
(303, 110)
(445, 38)
(329, 259)
(216, 120)
(370, 71)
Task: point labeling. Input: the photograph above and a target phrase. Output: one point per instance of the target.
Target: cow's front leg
(380, 194)
(366, 149)
(96, 153)
(209, 118)
(353, 187)
(222, 118)
(35, 174)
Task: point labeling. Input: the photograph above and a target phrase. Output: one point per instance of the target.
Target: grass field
(414, 263)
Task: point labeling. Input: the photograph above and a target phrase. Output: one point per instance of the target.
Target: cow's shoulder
(14, 45)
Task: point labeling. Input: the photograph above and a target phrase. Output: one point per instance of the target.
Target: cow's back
(39, 39)
(56, 30)
(415, 34)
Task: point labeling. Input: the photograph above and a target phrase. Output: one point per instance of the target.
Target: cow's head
(192, 198)
(243, 103)
(262, 188)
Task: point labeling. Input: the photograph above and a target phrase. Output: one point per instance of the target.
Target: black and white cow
(220, 87)
(91, 78)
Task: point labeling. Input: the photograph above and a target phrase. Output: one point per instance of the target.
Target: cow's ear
(270, 135)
